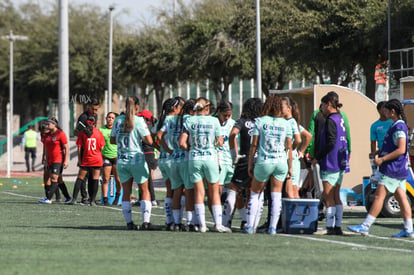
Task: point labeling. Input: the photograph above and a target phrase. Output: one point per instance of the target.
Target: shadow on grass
(391, 226)
(103, 227)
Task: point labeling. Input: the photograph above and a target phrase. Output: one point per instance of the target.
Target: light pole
(258, 52)
(11, 37)
(109, 101)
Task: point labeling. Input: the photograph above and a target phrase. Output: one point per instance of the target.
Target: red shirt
(54, 144)
(92, 148)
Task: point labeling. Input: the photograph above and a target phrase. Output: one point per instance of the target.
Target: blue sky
(126, 11)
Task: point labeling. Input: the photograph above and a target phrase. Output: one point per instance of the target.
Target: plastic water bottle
(373, 166)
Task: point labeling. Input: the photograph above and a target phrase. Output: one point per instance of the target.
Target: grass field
(62, 239)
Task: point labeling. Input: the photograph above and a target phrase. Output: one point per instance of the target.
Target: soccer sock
(259, 210)
(229, 206)
(64, 189)
(176, 216)
(252, 209)
(189, 217)
(339, 214)
(182, 201)
(330, 216)
(146, 208)
(94, 189)
(276, 208)
(126, 211)
(200, 214)
(369, 220)
(242, 213)
(52, 190)
(168, 210)
(84, 194)
(408, 225)
(47, 188)
(76, 188)
(217, 214)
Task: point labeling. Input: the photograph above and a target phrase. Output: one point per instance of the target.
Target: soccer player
(57, 159)
(272, 138)
(128, 132)
(109, 154)
(333, 159)
(241, 180)
(204, 134)
(393, 168)
(90, 143)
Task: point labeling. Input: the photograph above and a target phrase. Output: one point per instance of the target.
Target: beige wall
(361, 112)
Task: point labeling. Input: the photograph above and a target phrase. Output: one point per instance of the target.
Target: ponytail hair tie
(197, 105)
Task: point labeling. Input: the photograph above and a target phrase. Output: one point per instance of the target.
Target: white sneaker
(203, 228)
(45, 201)
(221, 229)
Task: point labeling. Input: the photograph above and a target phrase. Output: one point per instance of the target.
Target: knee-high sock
(52, 190)
(126, 211)
(252, 209)
(64, 189)
(189, 217)
(276, 208)
(259, 210)
(200, 214)
(330, 216)
(84, 194)
(217, 214)
(94, 189)
(76, 188)
(168, 210)
(229, 206)
(146, 208)
(339, 214)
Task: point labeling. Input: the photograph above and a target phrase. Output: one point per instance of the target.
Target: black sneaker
(146, 226)
(84, 202)
(330, 231)
(106, 203)
(169, 227)
(132, 226)
(338, 230)
(92, 203)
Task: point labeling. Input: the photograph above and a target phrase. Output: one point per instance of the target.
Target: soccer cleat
(248, 230)
(92, 203)
(45, 201)
(330, 231)
(146, 226)
(84, 202)
(132, 226)
(169, 226)
(358, 229)
(203, 228)
(178, 227)
(67, 200)
(72, 202)
(272, 231)
(221, 229)
(243, 224)
(404, 234)
(154, 203)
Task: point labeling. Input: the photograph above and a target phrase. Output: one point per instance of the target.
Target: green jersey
(272, 132)
(224, 152)
(202, 131)
(130, 144)
(110, 150)
(172, 131)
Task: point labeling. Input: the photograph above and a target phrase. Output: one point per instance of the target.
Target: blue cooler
(300, 216)
(112, 191)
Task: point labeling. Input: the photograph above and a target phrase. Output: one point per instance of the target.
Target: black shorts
(56, 168)
(90, 168)
(108, 162)
(152, 162)
(241, 177)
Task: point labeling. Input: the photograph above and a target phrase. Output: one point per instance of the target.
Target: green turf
(62, 239)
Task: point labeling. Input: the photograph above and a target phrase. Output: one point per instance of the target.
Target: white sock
(146, 208)
(126, 210)
(176, 216)
(330, 216)
(217, 214)
(339, 214)
(242, 213)
(229, 206)
(168, 210)
(259, 210)
(252, 209)
(276, 208)
(408, 225)
(189, 217)
(369, 220)
(200, 214)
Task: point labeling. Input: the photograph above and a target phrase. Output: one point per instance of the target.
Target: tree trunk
(370, 76)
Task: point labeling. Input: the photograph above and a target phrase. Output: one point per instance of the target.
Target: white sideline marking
(362, 246)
